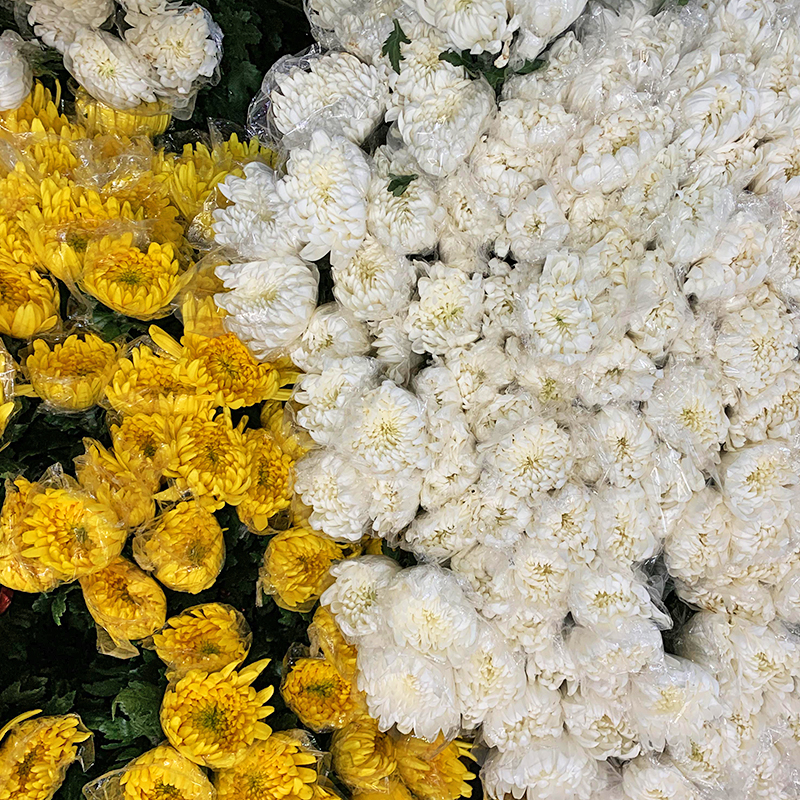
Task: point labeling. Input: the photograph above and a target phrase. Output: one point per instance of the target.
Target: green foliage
(399, 183)
(391, 47)
(483, 65)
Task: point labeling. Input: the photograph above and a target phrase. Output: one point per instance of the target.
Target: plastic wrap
(47, 746)
(184, 547)
(207, 637)
(29, 304)
(363, 756)
(315, 690)
(126, 603)
(16, 72)
(162, 767)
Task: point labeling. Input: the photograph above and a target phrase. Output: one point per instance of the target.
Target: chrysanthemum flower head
(135, 282)
(141, 445)
(326, 638)
(221, 367)
(207, 455)
(271, 485)
(162, 774)
(295, 567)
(208, 637)
(72, 375)
(146, 119)
(101, 474)
(28, 301)
(394, 789)
(318, 694)
(434, 770)
(39, 110)
(125, 601)
(36, 754)
(364, 757)
(141, 379)
(280, 768)
(214, 717)
(184, 549)
(65, 529)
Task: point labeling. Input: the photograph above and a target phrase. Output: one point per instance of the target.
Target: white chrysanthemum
(520, 721)
(541, 21)
(269, 303)
(600, 724)
(627, 529)
(624, 444)
(772, 414)
(182, 44)
(395, 502)
(385, 430)
(604, 659)
(426, 610)
(502, 414)
(755, 344)
(491, 677)
(541, 575)
(758, 482)
(393, 348)
(567, 520)
(552, 664)
(786, 596)
(697, 542)
(471, 218)
(109, 69)
(325, 188)
(146, 7)
(527, 627)
(617, 372)
(483, 568)
(407, 689)
(500, 312)
(688, 412)
(58, 22)
(604, 598)
(744, 598)
(500, 517)
(552, 769)
(536, 225)
(481, 370)
(376, 283)
(323, 397)
(331, 335)
(334, 91)
(448, 312)
(549, 380)
(478, 26)
(557, 313)
(671, 701)
(254, 223)
(454, 466)
(646, 778)
(337, 494)
(534, 458)
(439, 534)
(738, 262)
(441, 128)
(353, 598)
(673, 480)
(16, 75)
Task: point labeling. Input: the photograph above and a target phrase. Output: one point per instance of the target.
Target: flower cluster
(560, 360)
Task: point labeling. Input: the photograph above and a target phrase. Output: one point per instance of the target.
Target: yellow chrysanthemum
(36, 753)
(147, 119)
(19, 192)
(207, 454)
(363, 757)
(125, 601)
(68, 531)
(273, 418)
(141, 445)
(142, 379)
(185, 549)
(15, 244)
(8, 371)
(434, 770)
(271, 485)
(105, 478)
(133, 282)
(295, 567)
(28, 301)
(213, 718)
(221, 367)
(326, 638)
(53, 154)
(202, 316)
(208, 637)
(392, 790)
(280, 768)
(39, 112)
(318, 694)
(72, 375)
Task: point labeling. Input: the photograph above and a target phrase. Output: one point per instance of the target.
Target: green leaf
(58, 607)
(140, 703)
(20, 694)
(60, 704)
(399, 183)
(530, 66)
(106, 688)
(462, 59)
(683, 2)
(391, 47)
